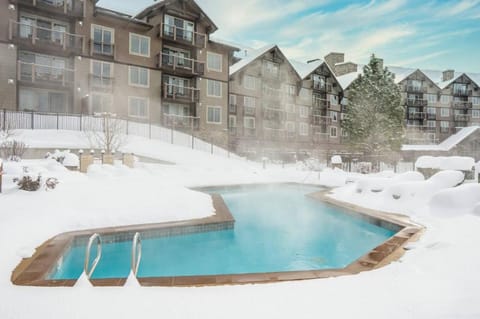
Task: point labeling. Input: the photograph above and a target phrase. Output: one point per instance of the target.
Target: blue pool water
(277, 229)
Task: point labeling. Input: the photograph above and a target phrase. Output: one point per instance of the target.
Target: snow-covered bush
(336, 160)
(333, 177)
(453, 202)
(13, 150)
(28, 183)
(66, 158)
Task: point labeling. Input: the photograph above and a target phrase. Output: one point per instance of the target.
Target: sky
(428, 34)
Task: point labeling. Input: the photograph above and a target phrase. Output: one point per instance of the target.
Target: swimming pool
(277, 229)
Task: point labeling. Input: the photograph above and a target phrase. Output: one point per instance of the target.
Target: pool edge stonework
(34, 271)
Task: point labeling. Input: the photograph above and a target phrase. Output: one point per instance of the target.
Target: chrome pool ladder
(86, 267)
(136, 253)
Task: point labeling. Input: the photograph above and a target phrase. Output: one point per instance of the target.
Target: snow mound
(65, 157)
(378, 184)
(337, 159)
(454, 202)
(333, 177)
(460, 163)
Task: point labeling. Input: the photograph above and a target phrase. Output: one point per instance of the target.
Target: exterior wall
(8, 77)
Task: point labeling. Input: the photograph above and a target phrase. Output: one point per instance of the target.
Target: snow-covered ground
(437, 278)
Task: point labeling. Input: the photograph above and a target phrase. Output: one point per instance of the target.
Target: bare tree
(107, 133)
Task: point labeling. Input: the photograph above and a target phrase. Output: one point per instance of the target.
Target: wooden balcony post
(34, 34)
(174, 62)
(10, 30)
(65, 6)
(64, 39)
(33, 73)
(19, 70)
(174, 33)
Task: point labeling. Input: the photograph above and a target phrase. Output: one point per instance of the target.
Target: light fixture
(11, 81)
(79, 89)
(11, 7)
(80, 23)
(79, 58)
(11, 46)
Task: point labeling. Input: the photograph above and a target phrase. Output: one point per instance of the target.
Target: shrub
(13, 150)
(27, 183)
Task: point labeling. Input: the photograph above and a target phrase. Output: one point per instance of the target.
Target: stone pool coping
(34, 271)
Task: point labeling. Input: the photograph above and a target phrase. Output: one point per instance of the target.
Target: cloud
(421, 58)
(449, 10)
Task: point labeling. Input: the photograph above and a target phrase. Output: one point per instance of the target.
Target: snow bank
(65, 157)
(333, 177)
(378, 184)
(460, 163)
(454, 202)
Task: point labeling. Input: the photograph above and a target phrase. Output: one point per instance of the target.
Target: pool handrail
(136, 253)
(89, 271)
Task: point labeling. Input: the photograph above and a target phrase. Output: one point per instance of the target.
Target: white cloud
(449, 10)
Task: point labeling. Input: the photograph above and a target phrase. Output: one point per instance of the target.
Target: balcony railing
(431, 116)
(181, 121)
(273, 125)
(101, 82)
(74, 8)
(462, 105)
(415, 89)
(232, 108)
(416, 115)
(461, 92)
(320, 86)
(182, 35)
(417, 102)
(178, 92)
(321, 103)
(423, 128)
(27, 33)
(444, 130)
(319, 120)
(175, 62)
(31, 72)
(462, 117)
(248, 110)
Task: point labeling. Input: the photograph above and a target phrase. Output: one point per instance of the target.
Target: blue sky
(430, 34)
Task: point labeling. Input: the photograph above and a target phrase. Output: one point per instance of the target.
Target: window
(232, 99)
(103, 40)
(249, 101)
(445, 99)
(444, 112)
(271, 68)
(137, 107)
(250, 82)
(46, 30)
(334, 116)
(303, 129)
(290, 89)
(176, 109)
(415, 84)
(178, 28)
(318, 82)
(290, 126)
(444, 124)
(476, 100)
(333, 100)
(249, 122)
(290, 108)
(475, 114)
(42, 100)
(303, 111)
(214, 88)
(232, 121)
(431, 124)
(344, 133)
(139, 45)
(138, 76)
(101, 103)
(432, 99)
(214, 62)
(459, 88)
(333, 131)
(102, 73)
(431, 111)
(214, 114)
(48, 68)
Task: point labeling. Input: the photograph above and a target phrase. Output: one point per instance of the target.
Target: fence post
(4, 119)
(127, 127)
(149, 129)
(211, 145)
(171, 134)
(193, 142)
(81, 120)
(33, 121)
(57, 121)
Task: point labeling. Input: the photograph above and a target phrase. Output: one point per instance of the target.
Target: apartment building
(71, 56)
(279, 107)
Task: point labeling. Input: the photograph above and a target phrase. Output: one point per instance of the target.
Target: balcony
(461, 92)
(181, 93)
(72, 8)
(100, 82)
(184, 66)
(273, 125)
(181, 35)
(416, 115)
(322, 87)
(320, 103)
(444, 130)
(415, 89)
(44, 38)
(462, 105)
(462, 117)
(248, 110)
(416, 102)
(35, 73)
(232, 108)
(319, 120)
(181, 121)
(431, 116)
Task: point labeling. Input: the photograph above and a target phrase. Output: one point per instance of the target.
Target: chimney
(333, 58)
(448, 75)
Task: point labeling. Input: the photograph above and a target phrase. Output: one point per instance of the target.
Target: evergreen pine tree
(374, 115)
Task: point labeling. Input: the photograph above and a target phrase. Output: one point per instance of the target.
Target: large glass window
(214, 62)
(101, 103)
(139, 76)
(250, 82)
(43, 101)
(139, 45)
(178, 28)
(103, 40)
(214, 88)
(137, 107)
(214, 114)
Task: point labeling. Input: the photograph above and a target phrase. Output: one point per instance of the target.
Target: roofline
(152, 7)
(419, 70)
(273, 47)
(456, 78)
(231, 47)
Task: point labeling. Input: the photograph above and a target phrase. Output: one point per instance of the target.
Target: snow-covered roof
(447, 144)
(251, 56)
(305, 69)
(230, 44)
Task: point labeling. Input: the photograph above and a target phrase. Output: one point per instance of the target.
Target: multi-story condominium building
(71, 56)
(279, 107)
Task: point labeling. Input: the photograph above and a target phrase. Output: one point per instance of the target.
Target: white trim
(221, 88)
(139, 98)
(336, 132)
(130, 34)
(221, 61)
(214, 107)
(136, 84)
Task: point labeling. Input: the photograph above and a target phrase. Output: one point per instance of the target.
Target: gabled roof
(252, 55)
(305, 69)
(162, 3)
(447, 144)
(347, 79)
